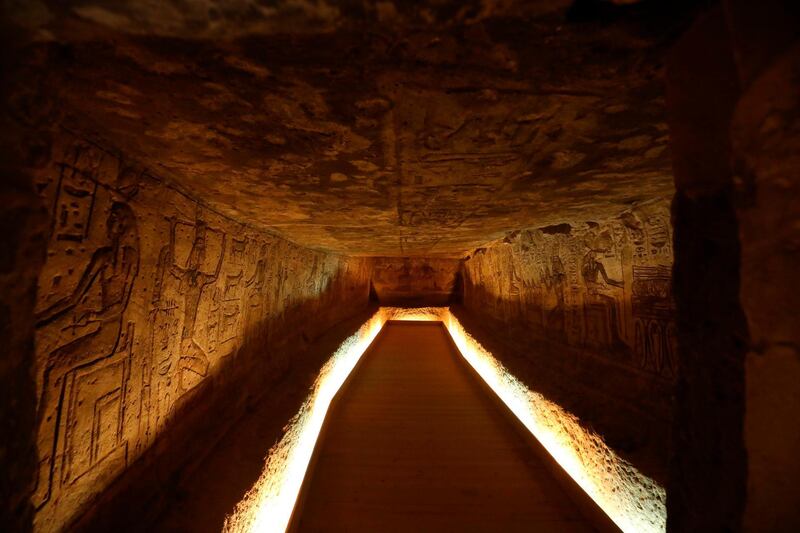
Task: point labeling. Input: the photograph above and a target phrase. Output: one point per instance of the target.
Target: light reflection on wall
(268, 506)
(633, 501)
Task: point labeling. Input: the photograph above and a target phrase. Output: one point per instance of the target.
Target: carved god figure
(89, 320)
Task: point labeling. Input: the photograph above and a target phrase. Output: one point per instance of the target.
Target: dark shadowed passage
(414, 443)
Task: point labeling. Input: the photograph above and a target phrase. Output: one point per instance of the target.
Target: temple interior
(440, 265)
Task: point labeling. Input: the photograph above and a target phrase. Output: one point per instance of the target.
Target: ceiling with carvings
(376, 128)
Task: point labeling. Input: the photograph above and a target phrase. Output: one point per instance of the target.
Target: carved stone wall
(415, 281)
(603, 286)
(146, 296)
(588, 306)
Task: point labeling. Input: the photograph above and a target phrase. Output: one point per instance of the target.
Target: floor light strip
(267, 507)
(633, 501)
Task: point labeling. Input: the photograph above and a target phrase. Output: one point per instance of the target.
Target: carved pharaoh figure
(555, 280)
(255, 286)
(598, 286)
(85, 326)
(177, 303)
(257, 281)
(192, 280)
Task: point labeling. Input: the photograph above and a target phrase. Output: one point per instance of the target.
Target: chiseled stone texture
(378, 128)
(145, 299)
(415, 281)
(587, 309)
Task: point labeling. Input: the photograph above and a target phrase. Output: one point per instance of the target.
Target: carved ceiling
(395, 129)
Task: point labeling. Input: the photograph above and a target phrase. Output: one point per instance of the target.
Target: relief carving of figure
(555, 279)
(193, 360)
(255, 285)
(602, 314)
(85, 326)
(258, 280)
(591, 268)
(636, 231)
(653, 311)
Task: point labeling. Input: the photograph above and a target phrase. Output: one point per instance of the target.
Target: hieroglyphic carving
(601, 304)
(256, 284)
(652, 307)
(187, 265)
(426, 215)
(94, 397)
(78, 332)
(143, 296)
(238, 247)
(76, 194)
(554, 279)
(418, 240)
(231, 301)
(489, 142)
(601, 286)
(653, 313)
(414, 281)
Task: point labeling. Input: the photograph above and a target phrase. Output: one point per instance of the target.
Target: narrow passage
(415, 443)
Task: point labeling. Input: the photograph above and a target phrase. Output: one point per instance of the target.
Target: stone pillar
(766, 156)
(706, 489)
(734, 110)
(766, 132)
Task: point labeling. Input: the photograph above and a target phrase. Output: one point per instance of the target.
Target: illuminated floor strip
(268, 506)
(633, 501)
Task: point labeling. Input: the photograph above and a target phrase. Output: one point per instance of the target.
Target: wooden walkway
(415, 443)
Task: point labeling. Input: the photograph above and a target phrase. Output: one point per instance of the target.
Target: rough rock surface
(379, 129)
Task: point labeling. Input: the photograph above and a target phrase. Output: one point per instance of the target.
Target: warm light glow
(633, 501)
(268, 506)
(429, 314)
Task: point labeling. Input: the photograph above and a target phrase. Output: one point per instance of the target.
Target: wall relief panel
(599, 286)
(583, 313)
(146, 295)
(415, 281)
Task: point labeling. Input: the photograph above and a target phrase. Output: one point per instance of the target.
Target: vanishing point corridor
(415, 443)
(399, 266)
